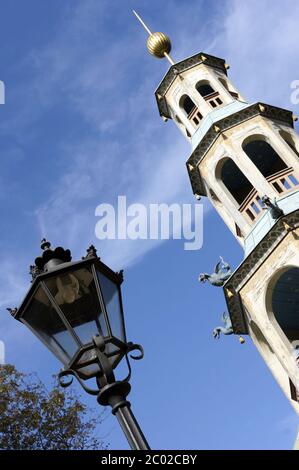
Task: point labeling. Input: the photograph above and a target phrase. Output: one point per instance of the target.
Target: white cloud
(13, 286)
(147, 164)
(12, 283)
(260, 42)
(108, 85)
(107, 80)
(98, 83)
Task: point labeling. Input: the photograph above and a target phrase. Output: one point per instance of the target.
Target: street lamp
(75, 309)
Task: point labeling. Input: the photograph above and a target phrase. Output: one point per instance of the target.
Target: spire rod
(142, 22)
(158, 44)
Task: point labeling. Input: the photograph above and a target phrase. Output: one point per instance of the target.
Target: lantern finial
(45, 245)
(50, 258)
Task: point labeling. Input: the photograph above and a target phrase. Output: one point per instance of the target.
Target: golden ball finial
(158, 44)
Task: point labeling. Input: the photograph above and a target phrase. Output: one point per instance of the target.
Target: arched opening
(270, 356)
(241, 189)
(283, 305)
(270, 164)
(263, 155)
(205, 89)
(187, 104)
(285, 302)
(290, 141)
(225, 84)
(235, 181)
(191, 110)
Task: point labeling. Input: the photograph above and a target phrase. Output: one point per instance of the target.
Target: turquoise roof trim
(215, 116)
(288, 203)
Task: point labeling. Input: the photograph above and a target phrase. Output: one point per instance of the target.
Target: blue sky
(80, 127)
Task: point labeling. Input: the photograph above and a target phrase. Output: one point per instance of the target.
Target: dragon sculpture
(226, 330)
(221, 274)
(273, 207)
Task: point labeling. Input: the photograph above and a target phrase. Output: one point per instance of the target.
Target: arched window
(225, 84)
(250, 203)
(191, 110)
(235, 181)
(285, 302)
(209, 94)
(187, 104)
(270, 164)
(290, 141)
(204, 89)
(263, 155)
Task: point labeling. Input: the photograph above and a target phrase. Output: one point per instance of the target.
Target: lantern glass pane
(111, 295)
(43, 319)
(77, 297)
(89, 371)
(87, 363)
(84, 365)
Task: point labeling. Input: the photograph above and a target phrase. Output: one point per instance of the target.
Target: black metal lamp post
(75, 309)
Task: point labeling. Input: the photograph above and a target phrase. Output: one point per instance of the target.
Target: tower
(245, 159)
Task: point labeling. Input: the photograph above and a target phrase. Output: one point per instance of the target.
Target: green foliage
(32, 418)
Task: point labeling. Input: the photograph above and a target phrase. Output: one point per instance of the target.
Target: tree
(33, 418)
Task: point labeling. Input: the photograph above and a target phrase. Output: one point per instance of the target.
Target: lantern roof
(54, 262)
(59, 254)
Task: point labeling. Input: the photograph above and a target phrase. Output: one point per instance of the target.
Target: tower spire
(158, 44)
(142, 22)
